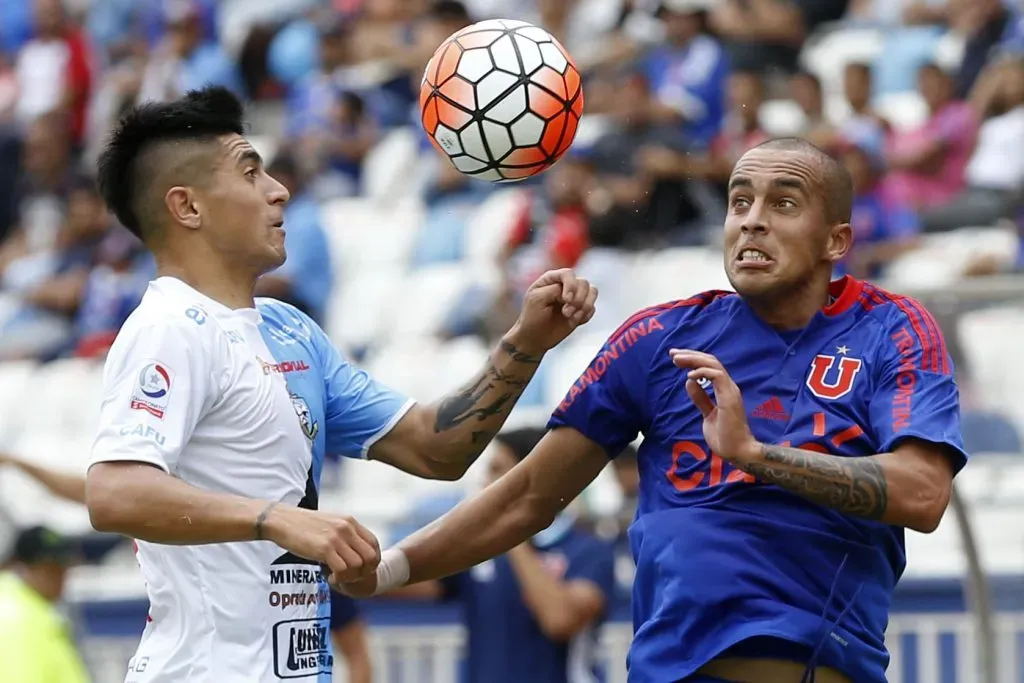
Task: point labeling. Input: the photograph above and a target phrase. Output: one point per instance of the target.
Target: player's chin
(752, 281)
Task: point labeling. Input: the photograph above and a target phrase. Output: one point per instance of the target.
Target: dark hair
(520, 441)
(448, 10)
(809, 76)
(200, 116)
(835, 179)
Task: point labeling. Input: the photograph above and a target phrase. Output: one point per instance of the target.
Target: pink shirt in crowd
(957, 126)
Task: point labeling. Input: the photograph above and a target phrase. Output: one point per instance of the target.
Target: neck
(36, 583)
(221, 283)
(794, 309)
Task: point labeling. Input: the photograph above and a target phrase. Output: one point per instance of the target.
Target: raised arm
(66, 485)
(909, 484)
(499, 518)
(442, 439)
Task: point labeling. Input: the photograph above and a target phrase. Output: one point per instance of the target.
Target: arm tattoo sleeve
(473, 415)
(855, 486)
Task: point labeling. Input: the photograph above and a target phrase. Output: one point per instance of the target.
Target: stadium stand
(395, 317)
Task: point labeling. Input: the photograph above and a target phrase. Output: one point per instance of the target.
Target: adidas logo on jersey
(772, 409)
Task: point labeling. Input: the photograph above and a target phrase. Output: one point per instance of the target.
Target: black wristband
(261, 519)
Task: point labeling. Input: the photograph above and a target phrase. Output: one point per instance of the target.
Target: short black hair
(835, 179)
(146, 145)
(520, 442)
(448, 10)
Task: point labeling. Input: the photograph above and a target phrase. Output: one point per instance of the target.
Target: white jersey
(244, 402)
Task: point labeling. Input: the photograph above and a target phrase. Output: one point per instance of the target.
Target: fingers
(576, 295)
(589, 305)
(685, 358)
(699, 397)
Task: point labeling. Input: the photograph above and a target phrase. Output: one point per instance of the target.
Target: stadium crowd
(931, 128)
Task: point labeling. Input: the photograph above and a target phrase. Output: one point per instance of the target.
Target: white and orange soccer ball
(502, 99)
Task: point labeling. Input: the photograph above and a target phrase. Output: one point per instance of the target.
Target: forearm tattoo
(482, 405)
(855, 486)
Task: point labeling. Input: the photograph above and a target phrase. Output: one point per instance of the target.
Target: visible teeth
(752, 255)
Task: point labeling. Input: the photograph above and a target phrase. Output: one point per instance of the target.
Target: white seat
(567, 362)
(372, 490)
(425, 298)
(455, 363)
(71, 390)
(488, 229)
(360, 306)
(608, 270)
(591, 127)
(990, 337)
(389, 164)
(17, 397)
(827, 53)
(674, 274)
(407, 365)
(27, 501)
(937, 554)
(782, 117)
(904, 110)
(365, 236)
(944, 257)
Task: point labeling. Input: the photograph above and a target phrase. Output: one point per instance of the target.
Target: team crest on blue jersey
(310, 426)
(831, 385)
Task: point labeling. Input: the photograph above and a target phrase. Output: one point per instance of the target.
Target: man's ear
(840, 242)
(185, 206)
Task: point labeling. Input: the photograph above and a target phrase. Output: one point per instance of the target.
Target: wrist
(522, 344)
(267, 526)
(748, 455)
(393, 570)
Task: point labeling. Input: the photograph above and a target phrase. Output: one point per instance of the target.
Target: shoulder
(289, 325)
(913, 333)
(673, 314)
(159, 316)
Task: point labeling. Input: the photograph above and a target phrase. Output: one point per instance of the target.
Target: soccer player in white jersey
(218, 410)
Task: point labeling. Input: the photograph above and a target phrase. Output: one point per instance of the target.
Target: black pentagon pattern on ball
(551, 57)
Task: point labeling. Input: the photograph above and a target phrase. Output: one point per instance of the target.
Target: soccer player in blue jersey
(791, 431)
(219, 408)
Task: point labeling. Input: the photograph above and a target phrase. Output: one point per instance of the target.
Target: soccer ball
(502, 99)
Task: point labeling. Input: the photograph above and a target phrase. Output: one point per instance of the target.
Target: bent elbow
(105, 501)
(928, 510)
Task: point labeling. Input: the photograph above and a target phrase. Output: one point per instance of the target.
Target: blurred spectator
(914, 31)
(988, 25)
(534, 613)
(742, 130)
(348, 636)
(54, 70)
(762, 35)
(8, 91)
(48, 280)
(995, 179)
(113, 289)
(35, 638)
(857, 85)
(306, 279)
(882, 230)
(451, 198)
(642, 171)
(927, 164)
(329, 121)
(187, 57)
(985, 430)
(805, 89)
(41, 190)
(688, 73)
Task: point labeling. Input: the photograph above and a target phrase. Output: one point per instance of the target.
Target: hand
(726, 429)
(365, 587)
(341, 543)
(555, 305)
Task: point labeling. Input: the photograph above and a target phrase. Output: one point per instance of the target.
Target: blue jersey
(723, 560)
(506, 644)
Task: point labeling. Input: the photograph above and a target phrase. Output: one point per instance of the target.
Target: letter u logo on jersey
(826, 384)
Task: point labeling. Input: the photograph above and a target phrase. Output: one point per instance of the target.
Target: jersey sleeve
(157, 382)
(594, 562)
(605, 403)
(359, 411)
(915, 395)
